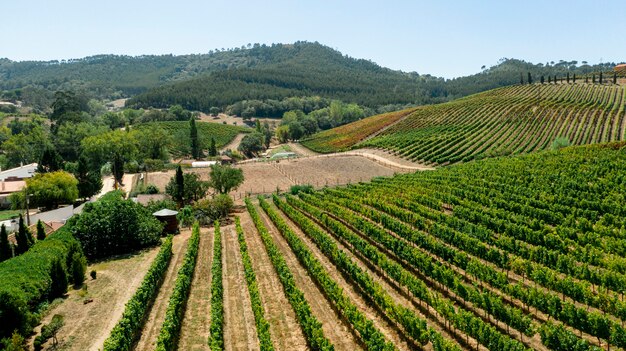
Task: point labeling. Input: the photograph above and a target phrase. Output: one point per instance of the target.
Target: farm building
(168, 217)
(12, 180)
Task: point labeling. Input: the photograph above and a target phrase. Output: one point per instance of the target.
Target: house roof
(25, 171)
(11, 187)
(165, 212)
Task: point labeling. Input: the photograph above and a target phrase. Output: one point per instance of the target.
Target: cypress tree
(574, 78)
(542, 80)
(41, 232)
(567, 77)
(59, 279)
(530, 79)
(193, 135)
(212, 148)
(180, 186)
(601, 79)
(593, 79)
(5, 246)
(89, 181)
(614, 77)
(50, 161)
(549, 79)
(521, 78)
(586, 79)
(258, 125)
(22, 237)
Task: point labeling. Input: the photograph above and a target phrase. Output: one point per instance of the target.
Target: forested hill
(258, 72)
(311, 69)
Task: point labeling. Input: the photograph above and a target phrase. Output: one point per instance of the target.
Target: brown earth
(88, 325)
(335, 329)
(284, 328)
(194, 333)
(151, 329)
(239, 325)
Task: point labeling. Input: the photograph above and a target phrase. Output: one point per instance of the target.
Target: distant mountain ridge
(261, 72)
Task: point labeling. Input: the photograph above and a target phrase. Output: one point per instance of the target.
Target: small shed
(167, 217)
(226, 160)
(202, 164)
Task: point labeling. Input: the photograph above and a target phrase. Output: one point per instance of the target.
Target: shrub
(93, 274)
(209, 210)
(304, 188)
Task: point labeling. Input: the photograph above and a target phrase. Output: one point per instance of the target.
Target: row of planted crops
(503, 254)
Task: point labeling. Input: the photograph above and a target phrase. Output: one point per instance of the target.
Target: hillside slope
(504, 121)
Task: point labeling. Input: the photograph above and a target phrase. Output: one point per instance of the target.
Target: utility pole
(28, 209)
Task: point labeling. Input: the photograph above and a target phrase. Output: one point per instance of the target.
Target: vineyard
(505, 121)
(179, 135)
(518, 253)
(346, 136)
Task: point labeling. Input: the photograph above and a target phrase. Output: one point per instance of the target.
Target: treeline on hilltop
(263, 73)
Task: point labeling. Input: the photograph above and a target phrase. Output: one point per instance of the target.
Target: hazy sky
(443, 38)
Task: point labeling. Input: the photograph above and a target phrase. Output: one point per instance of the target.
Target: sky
(443, 38)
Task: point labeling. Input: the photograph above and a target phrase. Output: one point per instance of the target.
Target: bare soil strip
(239, 325)
(335, 329)
(88, 325)
(153, 325)
(195, 327)
(284, 327)
(233, 144)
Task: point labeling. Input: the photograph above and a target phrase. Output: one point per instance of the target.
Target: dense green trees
(23, 237)
(89, 180)
(252, 144)
(49, 190)
(186, 188)
(114, 226)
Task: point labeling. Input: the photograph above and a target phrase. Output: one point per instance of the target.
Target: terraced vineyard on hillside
(506, 121)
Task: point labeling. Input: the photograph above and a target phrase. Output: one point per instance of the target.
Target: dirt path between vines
(233, 144)
(335, 329)
(87, 326)
(154, 322)
(239, 325)
(194, 333)
(284, 328)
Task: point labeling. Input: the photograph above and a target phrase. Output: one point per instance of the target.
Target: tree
(116, 147)
(225, 178)
(89, 180)
(542, 80)
(593, 79)
(549, 79)
(23, 237)
(614, 77)
(521, 78)
(51, 189)
(178, 192)
(267, 135)
(530, 79)
(251, 144)
(257, 125)
(282, 133)
(69, 136)
(16, 343)
(67, 107)
(296, 130)
(192, 189)
(152, 142)
(41, 232)
(58, 286)
(50, 160)
(574, 79)
(212, 148)
(601, 79)
(78, 269)
(6, 251)
(114, 226)
(193, 135)
(567, 78)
